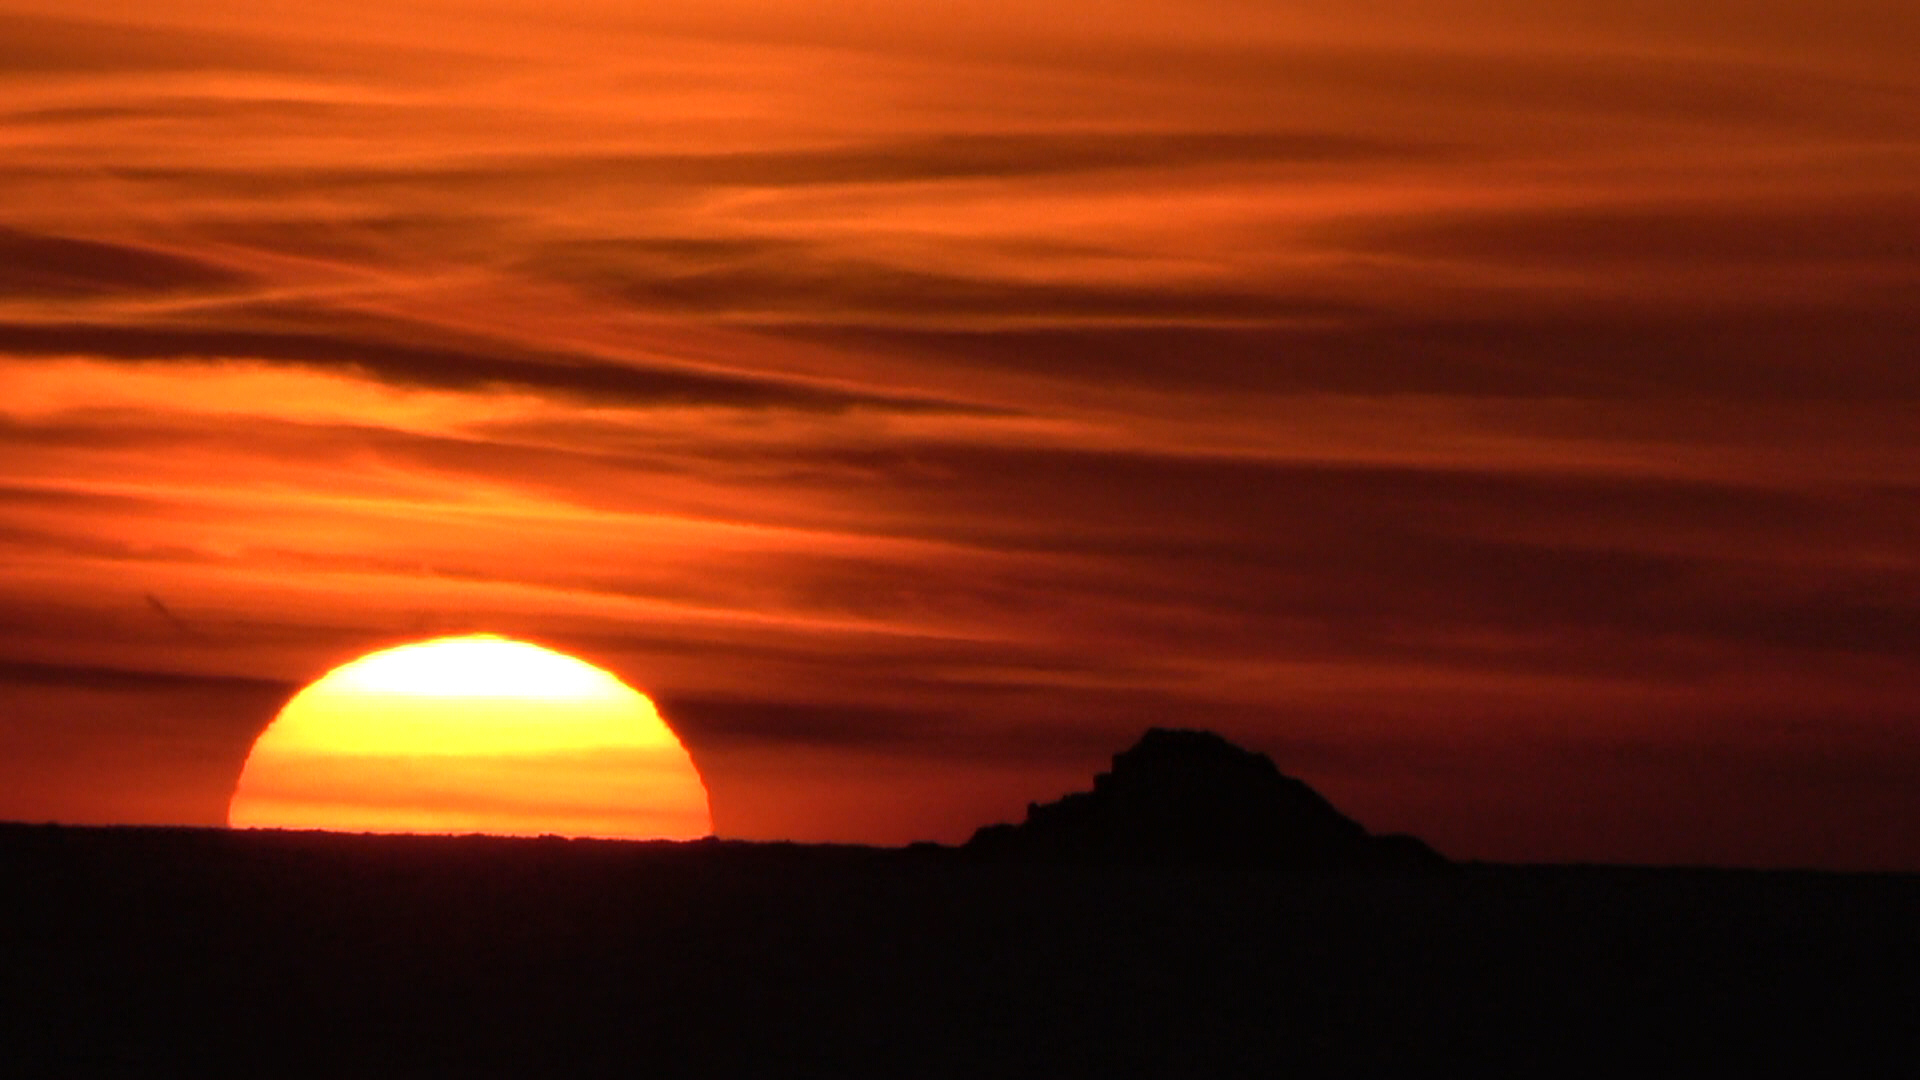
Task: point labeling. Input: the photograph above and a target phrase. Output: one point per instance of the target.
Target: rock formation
(1193, 797)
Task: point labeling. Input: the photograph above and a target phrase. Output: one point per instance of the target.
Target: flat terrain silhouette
(163, 950)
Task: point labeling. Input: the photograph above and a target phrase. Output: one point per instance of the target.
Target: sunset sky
(1505, 415)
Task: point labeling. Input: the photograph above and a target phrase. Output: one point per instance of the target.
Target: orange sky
(1505, 415)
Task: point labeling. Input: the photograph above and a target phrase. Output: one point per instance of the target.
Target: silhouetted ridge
(1194, 797)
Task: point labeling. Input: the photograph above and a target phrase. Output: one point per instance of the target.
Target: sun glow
(472, 734)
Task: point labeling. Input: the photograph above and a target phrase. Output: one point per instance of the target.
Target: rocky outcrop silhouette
(1193, 797)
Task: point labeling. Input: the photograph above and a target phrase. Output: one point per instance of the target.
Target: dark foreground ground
(164, 952)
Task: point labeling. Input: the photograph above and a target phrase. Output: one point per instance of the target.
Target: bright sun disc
(474, 734)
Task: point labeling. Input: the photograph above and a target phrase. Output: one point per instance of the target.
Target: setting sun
(475, 734)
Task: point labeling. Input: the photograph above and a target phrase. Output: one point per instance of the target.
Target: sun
(473, 734)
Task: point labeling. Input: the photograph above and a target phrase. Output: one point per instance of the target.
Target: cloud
(37, 265)
(50, 44)
(715, 722)
(475, 367)
(800, 290)
(1589, 353)
(1861, 232)
(123, 679)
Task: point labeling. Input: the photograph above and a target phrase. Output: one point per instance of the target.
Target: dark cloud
(49, 44)
(39, 265)
(715, 722)
(1510, 92)
(1718, 352)
(986, 723)
(12, 495)
(1077, 497)
(93, 677)
(444, 367)
(1387, 551)
(1865, 231)
(90, 544)
(52, 45)
(880, 161)
(1009, 155)
(372, 239)
(189, 109)
(842, 292)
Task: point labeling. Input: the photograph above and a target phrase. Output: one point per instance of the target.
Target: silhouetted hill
(1192, 797)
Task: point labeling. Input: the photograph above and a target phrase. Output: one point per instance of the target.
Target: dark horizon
(324, 954)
